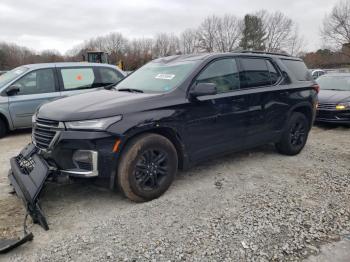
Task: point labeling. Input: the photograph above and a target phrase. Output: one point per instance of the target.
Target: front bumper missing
(8, 244)
(27, 175)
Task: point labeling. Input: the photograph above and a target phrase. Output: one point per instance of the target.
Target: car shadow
(330, 126)
(77, 190)
(19, 132)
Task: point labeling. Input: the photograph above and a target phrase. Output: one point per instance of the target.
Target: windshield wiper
(131, 90)
(110, 86)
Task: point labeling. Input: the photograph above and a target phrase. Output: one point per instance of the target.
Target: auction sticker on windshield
(165, 76)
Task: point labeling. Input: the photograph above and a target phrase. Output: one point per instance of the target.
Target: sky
(62, 24)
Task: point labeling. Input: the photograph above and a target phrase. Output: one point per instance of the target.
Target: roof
(203, 56)
(65, 64)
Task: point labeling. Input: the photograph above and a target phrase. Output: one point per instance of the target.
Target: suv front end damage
(27, 175)
(56, 151)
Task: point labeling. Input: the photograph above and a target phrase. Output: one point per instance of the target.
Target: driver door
(35, 88)
(217, 123)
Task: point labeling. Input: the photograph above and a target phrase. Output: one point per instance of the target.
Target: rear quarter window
(78, 78)
(298, 69)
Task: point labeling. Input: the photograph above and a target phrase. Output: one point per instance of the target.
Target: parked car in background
(25, 88)
(316, 73)
(171, 113)
(334, 98)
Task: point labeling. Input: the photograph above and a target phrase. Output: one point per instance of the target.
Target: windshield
(9, 76)
(157, 77)
(328, 82)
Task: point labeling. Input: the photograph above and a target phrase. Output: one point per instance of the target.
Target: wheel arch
(6, 121)
(166, 132)
(304, 108)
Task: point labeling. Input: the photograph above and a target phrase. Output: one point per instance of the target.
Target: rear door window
(109, 76)
(255, 73)
(78, 78)
(37, 82)
(298, 69)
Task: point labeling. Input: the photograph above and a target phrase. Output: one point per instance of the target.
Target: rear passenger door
(259, 78)
(77, 80)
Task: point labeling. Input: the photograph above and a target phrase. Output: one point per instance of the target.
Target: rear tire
(147, 168)
(3, 128)
(295, 135)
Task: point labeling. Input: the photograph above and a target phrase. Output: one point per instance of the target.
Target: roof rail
(261, 52)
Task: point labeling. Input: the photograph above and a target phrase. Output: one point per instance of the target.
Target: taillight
(316, 87)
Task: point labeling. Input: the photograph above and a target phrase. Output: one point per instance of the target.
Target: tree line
(262, 30)
(336, 38)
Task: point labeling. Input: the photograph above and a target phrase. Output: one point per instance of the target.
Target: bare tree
(281, 33)
(336, 25)
(229, 31)
(115, 45)
(165, 45)
(207, 33)
(138, 53)
(189, 41)
(219, 34)
(279, 29)
(295, 44)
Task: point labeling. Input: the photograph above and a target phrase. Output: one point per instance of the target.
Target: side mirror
(203, 89)
(12, 90)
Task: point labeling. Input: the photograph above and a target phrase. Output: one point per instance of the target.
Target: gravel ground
(255, 205)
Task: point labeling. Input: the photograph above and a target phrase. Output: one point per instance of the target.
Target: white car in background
(316, 73)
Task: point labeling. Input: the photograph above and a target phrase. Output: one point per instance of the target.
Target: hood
(93, 105)
(333, 96)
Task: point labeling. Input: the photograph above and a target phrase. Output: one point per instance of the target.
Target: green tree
(254, 34)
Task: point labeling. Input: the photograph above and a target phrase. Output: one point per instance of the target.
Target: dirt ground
(254, 205)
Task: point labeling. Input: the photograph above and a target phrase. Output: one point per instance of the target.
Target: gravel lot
(255, 205)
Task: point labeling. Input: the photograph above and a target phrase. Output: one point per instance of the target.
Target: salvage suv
(171, 113)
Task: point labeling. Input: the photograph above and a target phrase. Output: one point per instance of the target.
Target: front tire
(3, 128)
(295, 135)
(147, 168)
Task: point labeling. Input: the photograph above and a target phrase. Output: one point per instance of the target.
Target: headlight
(95, 124)
(343, 106)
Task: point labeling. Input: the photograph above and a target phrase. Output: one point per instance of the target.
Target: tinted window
(109, 76)
(298, 69)
(36, 82)
(78, 78)
(255, 73)
(223, 73)
(274, 73)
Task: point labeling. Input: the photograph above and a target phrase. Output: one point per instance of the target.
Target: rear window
(298, 69)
